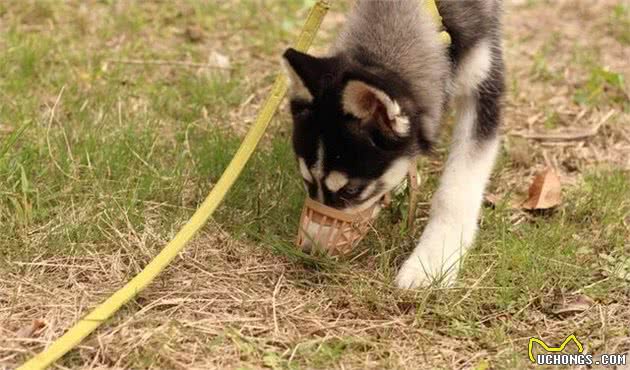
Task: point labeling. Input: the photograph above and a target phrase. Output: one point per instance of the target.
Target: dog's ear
(305, 73)
(372, 105)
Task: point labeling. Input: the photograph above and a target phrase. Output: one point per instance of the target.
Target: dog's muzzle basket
(334, 231)
(337, 232)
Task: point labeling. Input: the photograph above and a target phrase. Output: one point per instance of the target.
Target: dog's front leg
(456, 204)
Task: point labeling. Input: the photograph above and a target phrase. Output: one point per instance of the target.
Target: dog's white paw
(422, 270)
(411, 275)
(437, 257)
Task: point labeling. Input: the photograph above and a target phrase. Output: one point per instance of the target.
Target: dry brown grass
(551, 49)
(227, 305)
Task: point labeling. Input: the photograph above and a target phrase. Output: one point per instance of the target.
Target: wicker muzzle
(331, 230)
(336, 232)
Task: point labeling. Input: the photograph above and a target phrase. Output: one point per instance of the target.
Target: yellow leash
(432, 8)
(106, 309)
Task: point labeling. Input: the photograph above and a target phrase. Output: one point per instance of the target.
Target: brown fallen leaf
(194, 33)
(545, 192)
(29, 330)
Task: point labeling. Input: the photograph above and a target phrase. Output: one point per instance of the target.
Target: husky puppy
(364, 112)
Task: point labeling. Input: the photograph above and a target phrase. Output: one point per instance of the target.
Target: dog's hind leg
(455, 208)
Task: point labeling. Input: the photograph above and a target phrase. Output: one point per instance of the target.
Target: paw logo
(553, 349)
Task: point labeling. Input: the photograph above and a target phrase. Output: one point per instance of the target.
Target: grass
(602, 82)
(102, 161)
(620, 23)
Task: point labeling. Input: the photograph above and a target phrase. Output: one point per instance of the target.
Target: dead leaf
(194, 33)
(545, 192)
(30, 330)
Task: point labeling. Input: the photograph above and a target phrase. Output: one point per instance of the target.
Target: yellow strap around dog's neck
(432, 8)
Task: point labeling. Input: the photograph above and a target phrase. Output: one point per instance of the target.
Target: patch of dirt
(551, 49)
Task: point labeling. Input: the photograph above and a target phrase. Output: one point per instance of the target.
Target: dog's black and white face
(353, 134)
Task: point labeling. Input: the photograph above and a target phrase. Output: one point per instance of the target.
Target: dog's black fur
(364, 153)
(362, 114)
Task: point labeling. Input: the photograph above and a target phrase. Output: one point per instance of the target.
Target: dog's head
(355, 129)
